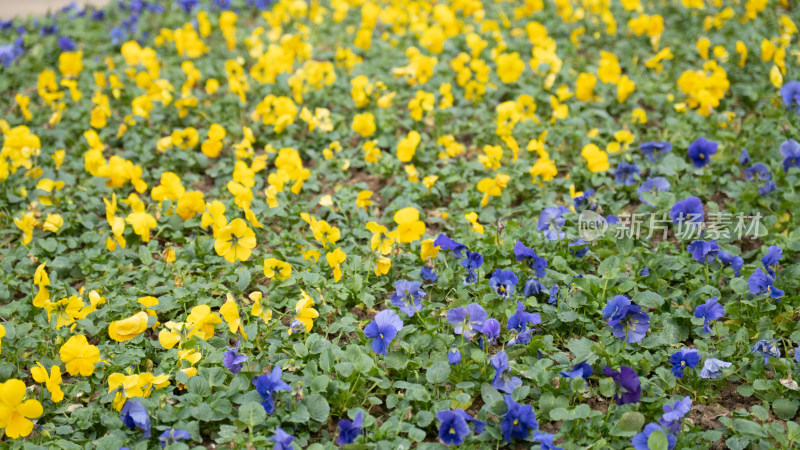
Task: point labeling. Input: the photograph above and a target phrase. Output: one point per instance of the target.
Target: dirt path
(23, 8)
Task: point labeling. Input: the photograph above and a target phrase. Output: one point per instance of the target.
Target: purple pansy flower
(383, 329)
(628, 380)
(408, 296)
(467, 320)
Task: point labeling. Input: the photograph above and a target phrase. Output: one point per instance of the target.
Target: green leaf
(739, 285)
(364, 364)
(301, 415)
(759, 412)
(50, 245)
(631, 421)
(793, 431)
(737, 442)
(657, 441)
(199, 386)
(625, 245)
(144, 255)
(607, 387)
(424, 418)
(745, 390)
(318, 407)
(648, 299)
(748, 427)
(203, 412)
(612, 262)
(582, 411)
(251, 413)
(244, 279)
(581, 348)
(438, 372)
(567, 316)
(785, 408)
(490, 395)
(300, 349)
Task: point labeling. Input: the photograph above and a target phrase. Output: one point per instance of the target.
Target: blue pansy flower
(518, 325)
(408, 296)
(640, 441)
(700, 151)
(545, 441)
(503, 381)
(555, 294)
(49, 29)
(673, 414)
(520, 319)
(625, 173)
(518, 421)
(744, 159)
(232, 360)
(757, 172)
(767, 187)
(467, 320)
(349, 429)
(535, 262)
(454, 426)
(684, 358)
(585, 200)
(490, 329)
(651, 187)
(630, 387)
(551, 222)
(627, 320)
(503, 282)
(533, 287)
(428, 274)
(760, 283)
(454, 356)
(710, 310)
(282, 440)
(445, 243)
(579, 248)
(790, 93)
(612, 219)
(760, 173)
(768, 348)
(267, 385)
(712, 368)
(655, 150)
(690, 208)
(172, 435)
(580, 370)
(187, 5)
(383, 329)
(791, 154)
(472, 261)
(704, 251)
(772, 258)
(66, 44)
(644, 272)
(614, 305)
(134, 415)
(736, 262)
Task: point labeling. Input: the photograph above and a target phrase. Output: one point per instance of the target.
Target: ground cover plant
(394, 224)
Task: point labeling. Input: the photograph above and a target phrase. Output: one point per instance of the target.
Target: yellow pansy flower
(79, 356)
(235, 241)
(15, 414)
(127, 329)
(52, 381)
